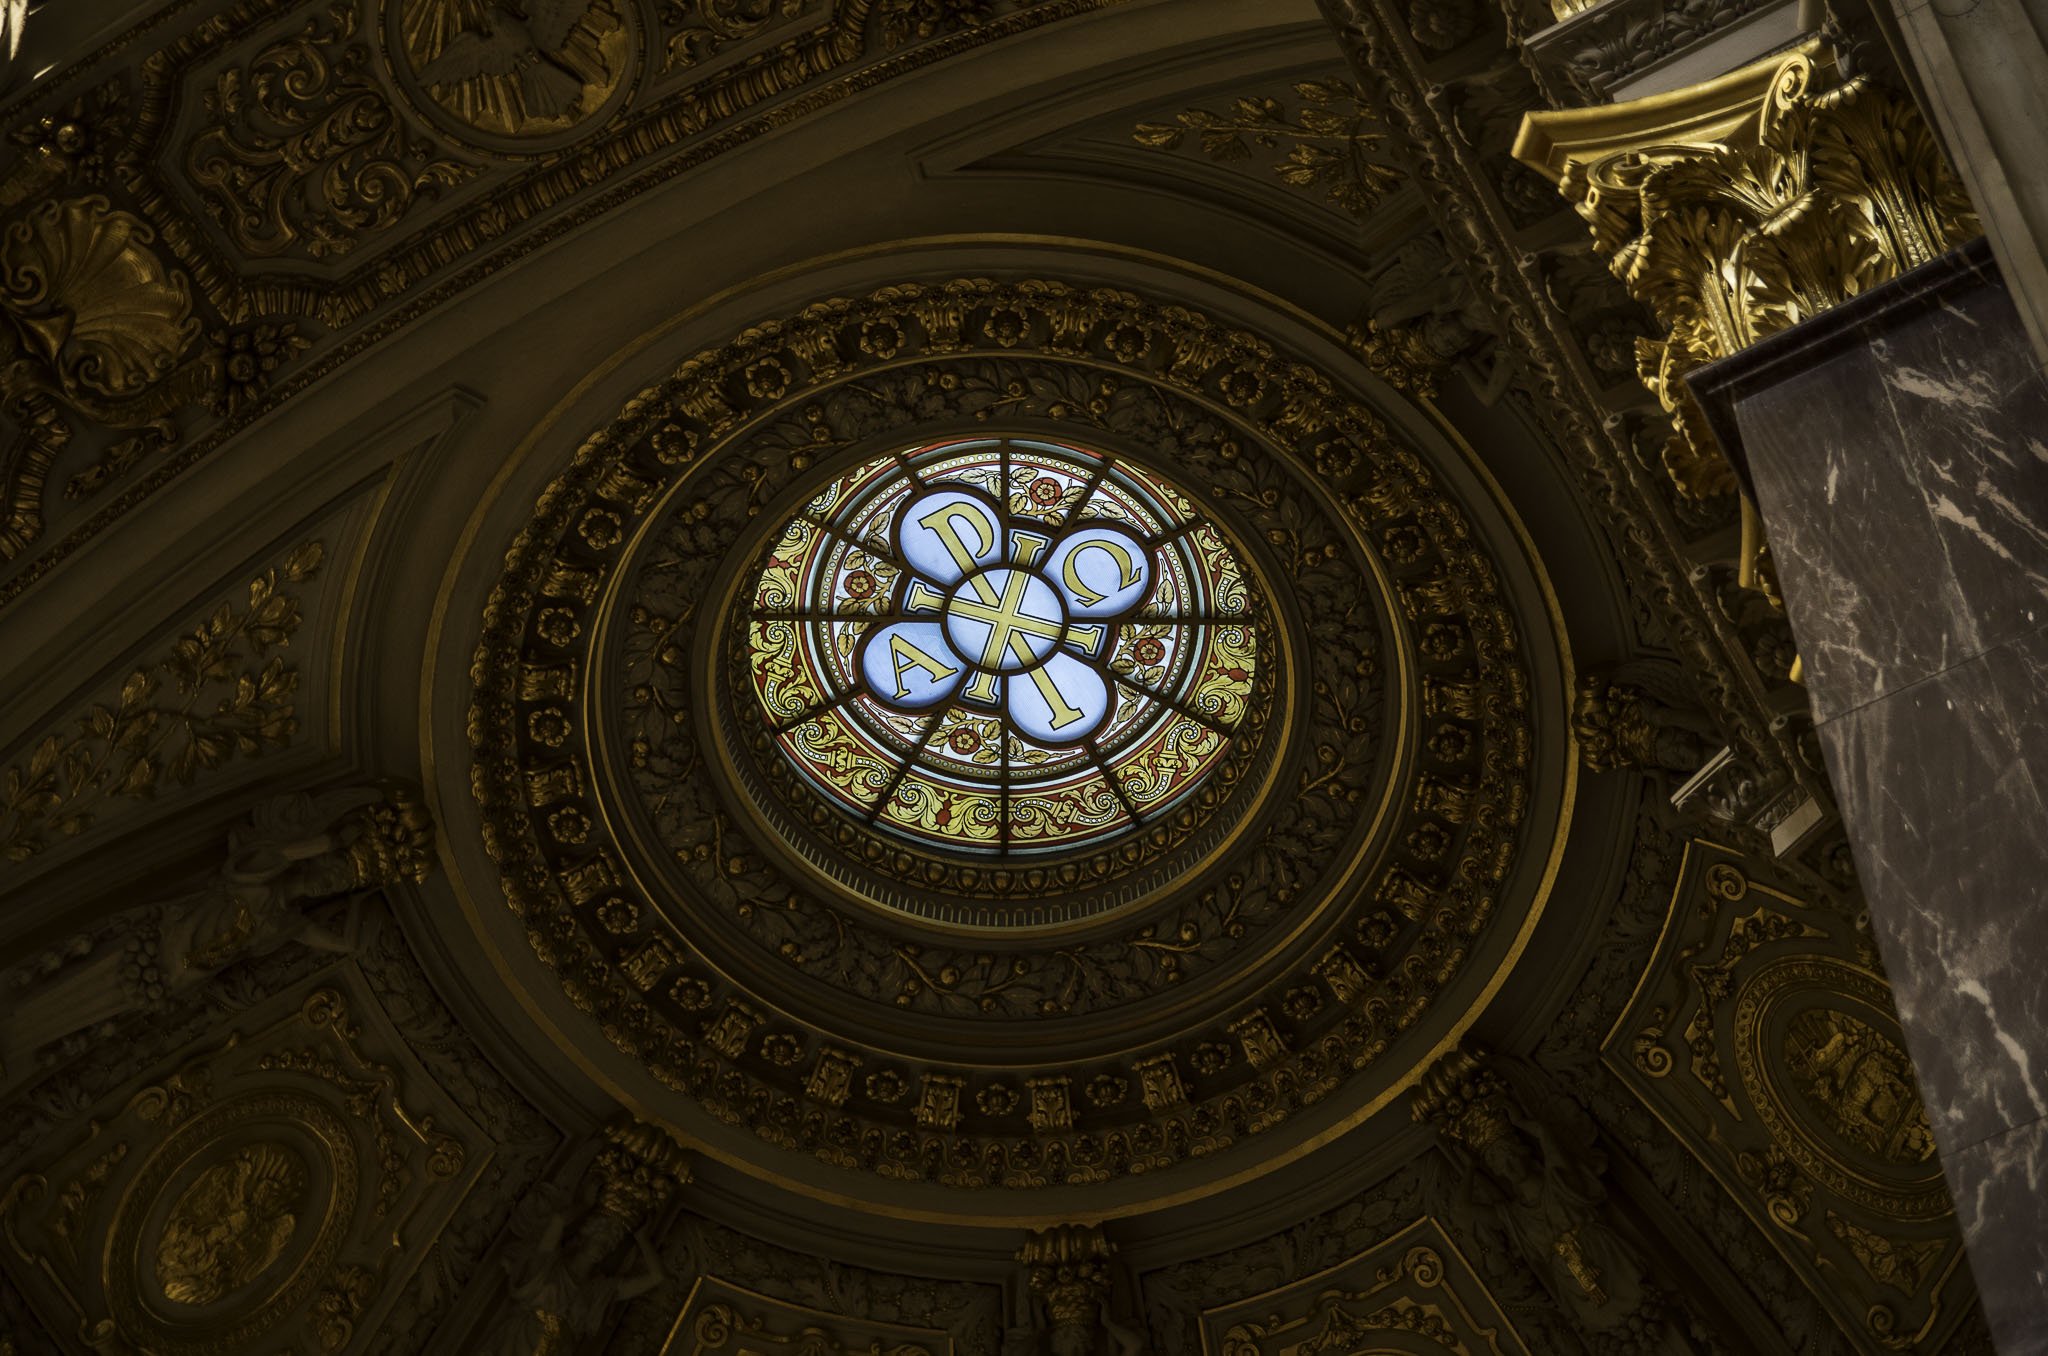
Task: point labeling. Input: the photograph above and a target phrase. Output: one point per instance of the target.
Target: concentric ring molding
(1273, 1060)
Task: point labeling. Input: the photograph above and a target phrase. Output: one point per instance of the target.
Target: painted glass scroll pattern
(1003, 646)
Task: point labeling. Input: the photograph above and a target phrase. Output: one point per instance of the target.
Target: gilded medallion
(231, 1224)
(515, 71)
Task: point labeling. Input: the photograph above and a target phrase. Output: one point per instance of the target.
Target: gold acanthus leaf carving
(221, 691)
(306, 151)
(1332, 140)
(1808, 190)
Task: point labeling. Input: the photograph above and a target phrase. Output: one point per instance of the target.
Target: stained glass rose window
(1002, 646)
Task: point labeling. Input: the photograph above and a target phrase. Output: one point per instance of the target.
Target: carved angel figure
(565, 1286)
(1422, 303)
(568, 1265)
(293, 851)
(1522, 1186)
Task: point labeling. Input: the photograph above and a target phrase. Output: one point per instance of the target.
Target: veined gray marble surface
(1897, 449)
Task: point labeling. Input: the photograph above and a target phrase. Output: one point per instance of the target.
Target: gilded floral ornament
(222, 691)
(1335, 149)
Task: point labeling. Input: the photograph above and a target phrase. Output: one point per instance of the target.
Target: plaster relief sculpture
(1525, 1185)
(1065, 1307)
(571, 1262)
(231, 1225)
(293, 851)
(1622, 724)
(1423, 318)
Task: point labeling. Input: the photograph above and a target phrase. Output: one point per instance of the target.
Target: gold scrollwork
(305, 151)
(1793, 1087)
(1413, 1292)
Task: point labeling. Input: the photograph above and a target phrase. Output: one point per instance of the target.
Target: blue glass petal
(1064, 702)
(910, 666)
(946, 534)
(1102, 572)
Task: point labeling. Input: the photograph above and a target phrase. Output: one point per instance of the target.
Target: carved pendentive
(1762, 1036)
(283, 1183)
(1531, 1179)
(294, 851)
(742, 437)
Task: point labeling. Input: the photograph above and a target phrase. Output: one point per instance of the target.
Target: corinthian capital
(1737, 208)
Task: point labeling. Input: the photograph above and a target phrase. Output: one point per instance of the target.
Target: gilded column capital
(1738, 207)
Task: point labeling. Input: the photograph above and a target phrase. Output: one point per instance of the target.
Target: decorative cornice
(1599, 44)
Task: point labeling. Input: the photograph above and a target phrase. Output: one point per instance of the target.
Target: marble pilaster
(1897, 449)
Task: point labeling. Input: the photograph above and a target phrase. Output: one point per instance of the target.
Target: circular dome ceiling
(990, 665)
(1004, 734)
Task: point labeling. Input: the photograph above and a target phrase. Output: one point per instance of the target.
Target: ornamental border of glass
(1064, 607)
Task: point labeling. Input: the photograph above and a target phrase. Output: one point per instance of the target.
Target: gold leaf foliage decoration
(1330, 142)
(1831, 188)
(222, 691)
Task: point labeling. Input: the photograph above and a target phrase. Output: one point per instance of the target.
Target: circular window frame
(985, 895)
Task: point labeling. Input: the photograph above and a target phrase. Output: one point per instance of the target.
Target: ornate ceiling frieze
(1366, 864)
(195, 235)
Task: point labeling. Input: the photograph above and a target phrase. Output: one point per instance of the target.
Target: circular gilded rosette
(1005, 734)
